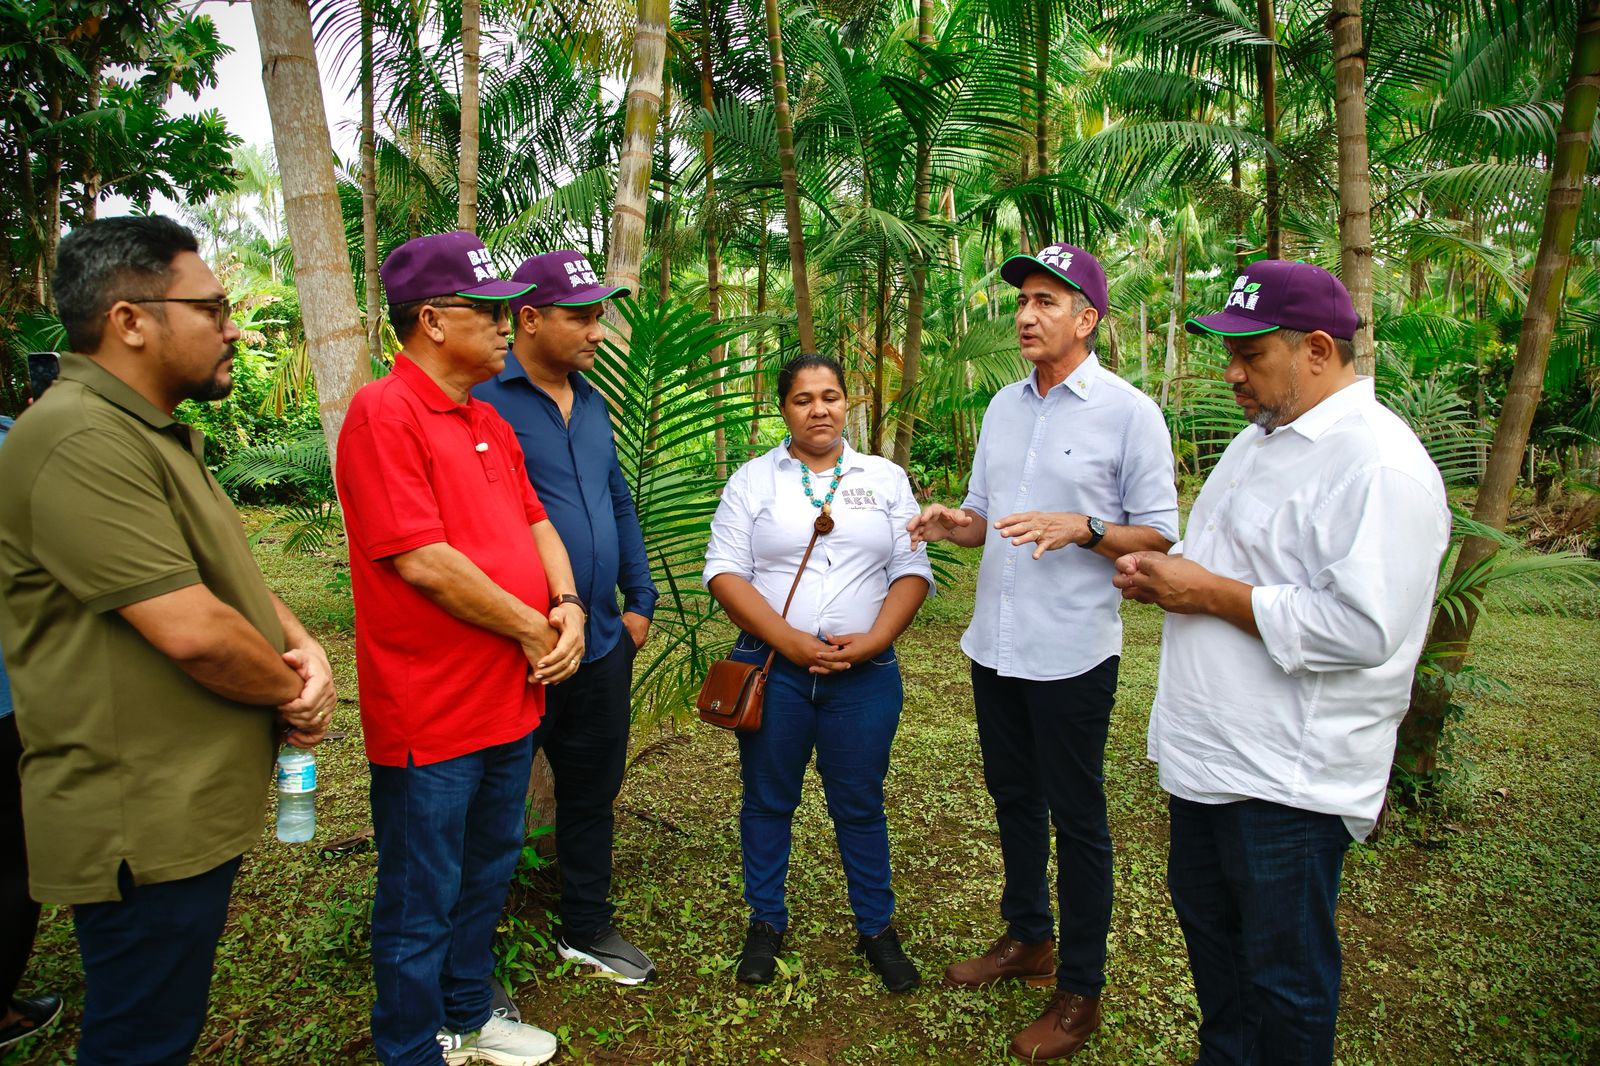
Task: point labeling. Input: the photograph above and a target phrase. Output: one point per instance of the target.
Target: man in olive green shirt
(152, 669)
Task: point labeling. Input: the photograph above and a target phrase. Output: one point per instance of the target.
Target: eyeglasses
(221, 307)
(495, 309)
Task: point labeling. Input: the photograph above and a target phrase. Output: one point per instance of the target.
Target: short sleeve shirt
(416, 468)
(125, 757)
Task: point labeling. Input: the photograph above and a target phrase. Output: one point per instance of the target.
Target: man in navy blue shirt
(565, 433)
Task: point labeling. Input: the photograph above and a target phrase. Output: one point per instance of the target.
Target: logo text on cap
(1245, 294)
(1056, 256)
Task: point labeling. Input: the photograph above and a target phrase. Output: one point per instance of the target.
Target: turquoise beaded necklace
(824, 506)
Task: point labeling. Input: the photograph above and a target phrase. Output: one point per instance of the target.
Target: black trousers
(19, 914)
(147, 967)
(1044, 745)
(584, 734)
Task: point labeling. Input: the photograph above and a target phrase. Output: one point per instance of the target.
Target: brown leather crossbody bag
(731, 695)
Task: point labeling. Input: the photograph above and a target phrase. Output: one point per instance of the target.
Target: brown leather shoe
(1060, 1031)
(1033, 963)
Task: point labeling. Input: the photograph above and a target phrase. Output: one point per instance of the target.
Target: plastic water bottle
(297, 795)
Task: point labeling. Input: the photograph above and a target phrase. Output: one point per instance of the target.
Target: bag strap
(792, 589)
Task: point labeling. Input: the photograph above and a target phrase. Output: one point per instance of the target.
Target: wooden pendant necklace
(824, 506)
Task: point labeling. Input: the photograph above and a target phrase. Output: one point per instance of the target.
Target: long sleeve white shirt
(1339, 520)
(764, 521)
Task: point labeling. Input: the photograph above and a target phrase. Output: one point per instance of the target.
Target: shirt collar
(1080, 381)
(92, 375)
(1325, 415)
(515, 371)
(427, 390)
(851, 458)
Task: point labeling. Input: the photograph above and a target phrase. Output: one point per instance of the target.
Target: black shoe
(759, 959)
(889, 959)
(37, 1012)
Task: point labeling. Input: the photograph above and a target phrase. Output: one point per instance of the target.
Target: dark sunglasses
(495, 309)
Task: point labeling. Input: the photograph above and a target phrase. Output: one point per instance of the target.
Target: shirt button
(1032, 453)
(1233, 484)
(1211, 525)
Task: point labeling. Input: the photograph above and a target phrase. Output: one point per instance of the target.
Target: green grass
(1474, 939)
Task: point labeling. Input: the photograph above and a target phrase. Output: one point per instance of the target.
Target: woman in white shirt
(835, 683)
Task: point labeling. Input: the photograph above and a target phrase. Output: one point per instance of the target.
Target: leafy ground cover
(1473, 938)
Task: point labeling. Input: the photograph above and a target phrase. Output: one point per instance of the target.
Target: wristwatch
(567, 597)
(1097, 530)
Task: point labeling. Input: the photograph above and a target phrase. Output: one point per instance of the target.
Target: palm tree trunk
(369, 188)
(664, 287)
(467, 174)
(880, 337)
(756, 383)
(626, 250)
(1170, 370)
(911, 355)
(1144, 346)
(1355, 181)
(791, 182)
(708, 101)
(334, 340)
(1417, 751)
(1266, 70)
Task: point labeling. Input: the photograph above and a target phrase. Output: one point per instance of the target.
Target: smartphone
(43, 367)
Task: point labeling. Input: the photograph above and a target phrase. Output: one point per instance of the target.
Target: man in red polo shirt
(458, 627)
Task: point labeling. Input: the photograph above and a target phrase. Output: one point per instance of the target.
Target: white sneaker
(500, 1041)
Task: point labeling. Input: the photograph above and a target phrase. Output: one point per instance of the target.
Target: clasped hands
(309, 714)
(831, 653)
(556, 652)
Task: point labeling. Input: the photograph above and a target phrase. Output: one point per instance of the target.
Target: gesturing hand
(1046, 530)
(936, 522)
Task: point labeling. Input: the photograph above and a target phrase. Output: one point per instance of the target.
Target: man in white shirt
(1079, 464)
(1299, 602)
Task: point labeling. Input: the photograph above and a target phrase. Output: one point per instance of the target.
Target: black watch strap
(1097, 531)
(567, 597)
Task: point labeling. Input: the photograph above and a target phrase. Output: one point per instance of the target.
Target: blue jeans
(147, 967)
(1044, 747)
(850, 719)
(1255, 885)
(449, 835)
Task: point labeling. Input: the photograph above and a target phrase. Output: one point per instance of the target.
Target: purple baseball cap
(1068, 262)
(563, 278)
(444, 264)
(1282, 294)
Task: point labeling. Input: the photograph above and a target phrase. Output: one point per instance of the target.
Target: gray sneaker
(501, 1042)
(611, 956)
(503, 1005)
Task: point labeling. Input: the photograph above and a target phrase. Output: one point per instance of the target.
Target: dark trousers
(1044, 746)
(19, 914)
(147, 967)
(584, 734)
(849, 719)
(1255, 885)
(449, 835)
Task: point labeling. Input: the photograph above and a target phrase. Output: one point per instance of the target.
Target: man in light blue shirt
(1073, 467)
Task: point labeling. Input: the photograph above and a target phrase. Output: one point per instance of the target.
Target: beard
(217, 386)
(1286, 410)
